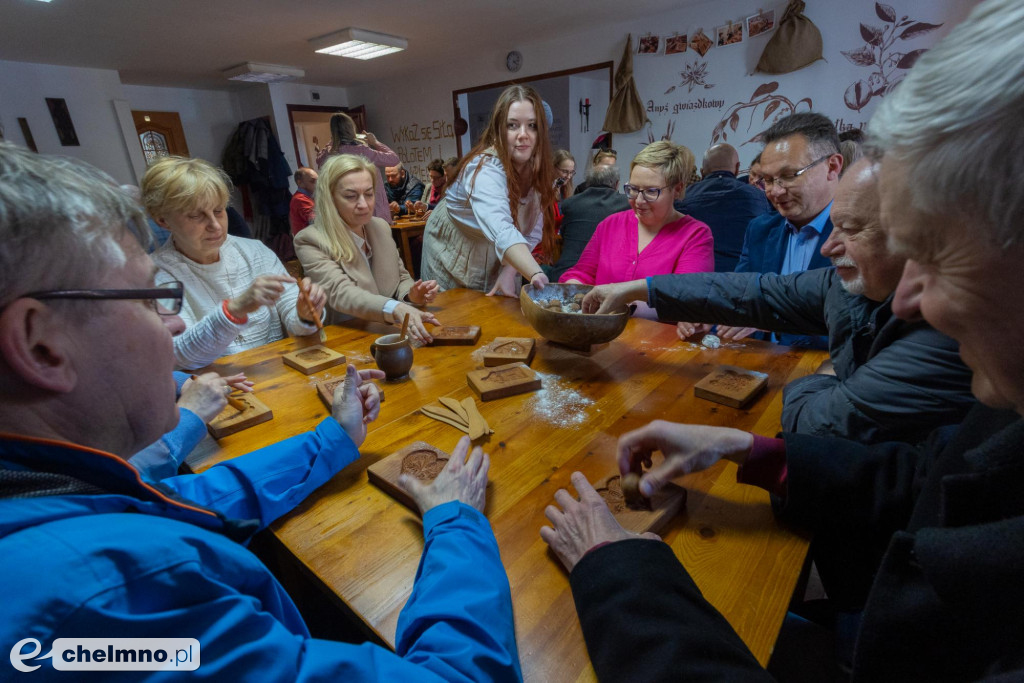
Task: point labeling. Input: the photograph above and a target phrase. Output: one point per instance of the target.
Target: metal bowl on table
(573, 329)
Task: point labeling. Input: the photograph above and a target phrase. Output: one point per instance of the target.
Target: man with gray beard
(887, 379)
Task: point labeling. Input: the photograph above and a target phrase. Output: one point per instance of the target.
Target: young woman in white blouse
(238, 295)
(350, 253)
(500, 206)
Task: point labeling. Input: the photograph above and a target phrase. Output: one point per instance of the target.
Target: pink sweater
(684, 246)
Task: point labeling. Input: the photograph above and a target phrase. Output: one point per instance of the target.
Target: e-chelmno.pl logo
(109, 654)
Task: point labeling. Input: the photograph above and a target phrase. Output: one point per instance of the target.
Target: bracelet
(227, 314)
(539, 272)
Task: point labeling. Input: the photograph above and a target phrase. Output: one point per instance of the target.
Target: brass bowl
(575, 330)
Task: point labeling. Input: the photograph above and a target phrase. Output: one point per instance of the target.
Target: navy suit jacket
(727, 206)
(764, 250)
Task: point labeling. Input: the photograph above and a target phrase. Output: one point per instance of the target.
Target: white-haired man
(928, 542)
(90, 549)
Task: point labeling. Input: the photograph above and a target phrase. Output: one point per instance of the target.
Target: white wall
(90, 96)
(394, 106)
(208, 117)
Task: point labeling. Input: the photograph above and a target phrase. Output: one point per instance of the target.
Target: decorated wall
(700, 91)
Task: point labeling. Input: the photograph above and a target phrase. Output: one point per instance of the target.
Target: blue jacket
(96, 551)
(162, 458)
(727, 206)
(764, 250)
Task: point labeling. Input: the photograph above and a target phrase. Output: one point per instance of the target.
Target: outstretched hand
(687, 448)
(356, 402)
(461, 479)
(582, 524)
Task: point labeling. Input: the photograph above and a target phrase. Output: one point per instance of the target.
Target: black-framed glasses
(790, 179)
(165, 298)
(651, 194)
(566, 172)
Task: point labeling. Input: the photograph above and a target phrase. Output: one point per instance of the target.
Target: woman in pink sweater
(652, 238)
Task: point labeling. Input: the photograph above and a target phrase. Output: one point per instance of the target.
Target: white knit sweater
(209, 334)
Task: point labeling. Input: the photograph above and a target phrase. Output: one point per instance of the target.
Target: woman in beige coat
(351, 254)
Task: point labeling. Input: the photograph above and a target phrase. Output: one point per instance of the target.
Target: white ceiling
(187, 43)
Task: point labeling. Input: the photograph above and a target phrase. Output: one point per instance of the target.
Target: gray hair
(60, 222)
(603, 176)
(955, 121)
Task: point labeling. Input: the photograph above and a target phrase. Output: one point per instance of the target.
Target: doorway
(160, 134)
(311, 128)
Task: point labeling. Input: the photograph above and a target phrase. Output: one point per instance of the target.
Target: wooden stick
(405, 327)
(316, 319)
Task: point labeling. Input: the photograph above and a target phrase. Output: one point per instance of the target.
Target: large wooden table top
(364, 546)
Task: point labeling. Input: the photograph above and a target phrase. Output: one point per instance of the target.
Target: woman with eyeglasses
(238, 295)
(652, 238)
(565, 169)
(350, 252)
(500, 206)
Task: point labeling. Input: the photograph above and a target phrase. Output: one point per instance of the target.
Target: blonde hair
(602, 153)
(673, 161)
(180, 184)
(327, 222)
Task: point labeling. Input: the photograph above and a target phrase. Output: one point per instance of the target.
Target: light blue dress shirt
(802, 242)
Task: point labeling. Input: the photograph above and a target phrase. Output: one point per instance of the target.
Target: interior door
(160, 134)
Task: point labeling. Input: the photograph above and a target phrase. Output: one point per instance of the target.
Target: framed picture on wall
(648, 45)
(675, 44)
(760, 23)
(730, 34)
(62, 121)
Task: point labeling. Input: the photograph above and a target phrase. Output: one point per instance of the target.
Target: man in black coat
(724, 203)
(928, 542)
(581, 214)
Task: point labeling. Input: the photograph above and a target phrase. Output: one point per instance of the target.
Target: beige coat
(355, 289)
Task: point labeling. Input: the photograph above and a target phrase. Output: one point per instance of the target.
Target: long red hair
(540, 174)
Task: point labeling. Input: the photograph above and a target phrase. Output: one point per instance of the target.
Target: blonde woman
(238, 295)
(345, 140)
(350, 253)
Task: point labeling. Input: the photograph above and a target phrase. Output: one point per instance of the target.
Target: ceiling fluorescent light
(254, 72)
(358, 44)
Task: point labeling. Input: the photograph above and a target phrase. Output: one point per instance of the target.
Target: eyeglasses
(566, 172)
(165, 299)
(651, 194)
(790, 179)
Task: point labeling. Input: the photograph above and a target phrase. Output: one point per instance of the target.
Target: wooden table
(402, 230)
(364, 546)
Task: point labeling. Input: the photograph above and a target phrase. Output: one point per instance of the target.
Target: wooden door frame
(358, 115)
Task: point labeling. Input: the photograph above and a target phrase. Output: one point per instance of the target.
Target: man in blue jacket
(91, 549)
(724, 203)
(800, 166)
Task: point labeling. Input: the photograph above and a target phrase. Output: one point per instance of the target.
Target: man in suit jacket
(800, 166)
(724, 203)
(581, 214)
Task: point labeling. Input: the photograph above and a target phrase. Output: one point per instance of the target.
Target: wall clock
(513, 61)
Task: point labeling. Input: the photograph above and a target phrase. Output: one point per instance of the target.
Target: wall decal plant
(777, 105)
(877, 53)
(694, 75)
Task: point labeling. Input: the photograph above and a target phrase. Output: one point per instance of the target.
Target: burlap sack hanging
(796, 43)
(625, 112)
